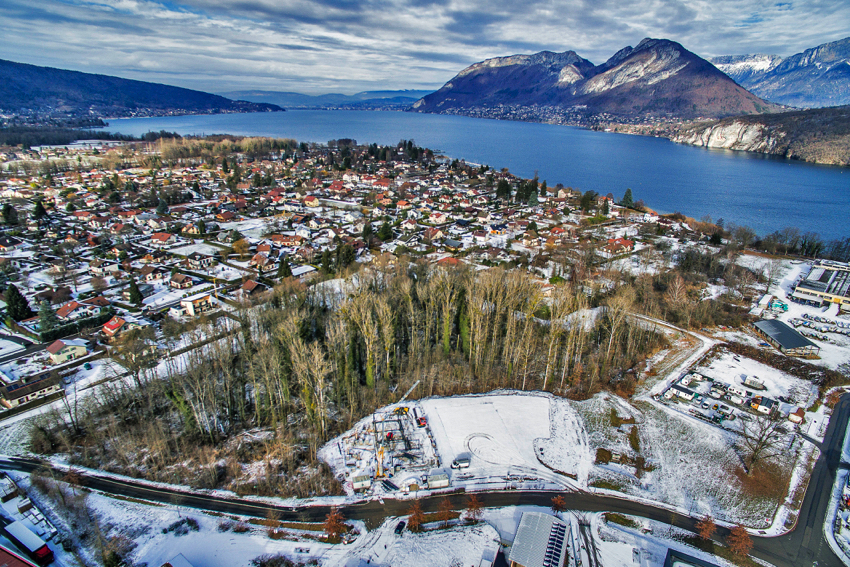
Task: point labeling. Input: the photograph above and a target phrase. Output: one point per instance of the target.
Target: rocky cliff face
(817, 135)
(658, 78)
(735, 135)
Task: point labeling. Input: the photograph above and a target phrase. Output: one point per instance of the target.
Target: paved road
(800, 548)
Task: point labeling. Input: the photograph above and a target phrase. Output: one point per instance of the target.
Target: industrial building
(826, 282)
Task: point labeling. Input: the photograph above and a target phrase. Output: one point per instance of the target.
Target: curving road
(799, 548)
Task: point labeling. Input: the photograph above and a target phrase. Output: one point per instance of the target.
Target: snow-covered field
(199, 246)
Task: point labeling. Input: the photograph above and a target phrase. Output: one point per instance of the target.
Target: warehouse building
(786, 339)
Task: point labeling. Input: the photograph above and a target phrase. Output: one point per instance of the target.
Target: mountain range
(658, 78)
(361, 100)
(27, 89)
(814, 78)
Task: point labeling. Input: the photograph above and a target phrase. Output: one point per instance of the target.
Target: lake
(763, 192)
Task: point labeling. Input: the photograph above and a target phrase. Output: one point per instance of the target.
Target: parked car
(399, 528)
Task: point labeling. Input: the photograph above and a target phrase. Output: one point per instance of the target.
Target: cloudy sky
(353, 45)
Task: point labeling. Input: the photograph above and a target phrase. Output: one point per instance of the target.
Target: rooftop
(784, 335)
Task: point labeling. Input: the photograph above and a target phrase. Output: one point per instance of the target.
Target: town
(275, 318)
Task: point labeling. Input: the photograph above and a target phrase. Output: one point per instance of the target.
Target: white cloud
(351, 45)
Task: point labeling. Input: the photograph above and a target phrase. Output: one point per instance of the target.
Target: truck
(778, 306)
(32, 545)
(462, 461)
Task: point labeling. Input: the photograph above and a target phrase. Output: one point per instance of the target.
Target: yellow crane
(380, 455)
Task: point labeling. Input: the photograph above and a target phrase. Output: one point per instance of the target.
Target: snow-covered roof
(540, 541)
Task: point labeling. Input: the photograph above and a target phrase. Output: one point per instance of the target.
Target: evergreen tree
(532, 226)
(40, 212)
(367, 232)
(532, 198)
(135, 294)
(47, 318)
(346, 255)
(605, 209)
(162, 207)
(10, 215)
(16, 304)
(503, 189)
(326, 261)
(385, 233)
(284, 271)
(628, 200)
(202, 226)
(224, 167)
(543, 188)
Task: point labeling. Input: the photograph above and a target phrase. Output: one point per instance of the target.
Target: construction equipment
(380, 468)
(401, 410)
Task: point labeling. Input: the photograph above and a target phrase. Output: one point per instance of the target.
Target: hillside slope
(28, 88)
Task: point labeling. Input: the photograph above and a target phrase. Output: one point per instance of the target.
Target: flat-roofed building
(541, 541)
(826, 282)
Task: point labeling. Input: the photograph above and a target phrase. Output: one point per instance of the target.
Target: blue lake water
(762, 192)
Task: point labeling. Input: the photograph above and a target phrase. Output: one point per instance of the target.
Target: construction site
(391, 450)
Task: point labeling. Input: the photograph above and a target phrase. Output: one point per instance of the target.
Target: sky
(348, 46)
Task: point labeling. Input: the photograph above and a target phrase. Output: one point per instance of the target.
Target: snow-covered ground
(516, 439)
(199, 246)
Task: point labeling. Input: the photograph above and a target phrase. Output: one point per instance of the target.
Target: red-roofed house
(113, 326)
(65, 350)
(162, 238)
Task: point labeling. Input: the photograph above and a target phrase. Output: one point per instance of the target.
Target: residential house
(198, 261)
(112, 327)
(249, 289)
(30, 388)
(194, 306)
(180, 281)
(261, 262)
(73, 310)
(67, 349)
(101, 268)
(433, 233)
(9, 243)
(162, 239)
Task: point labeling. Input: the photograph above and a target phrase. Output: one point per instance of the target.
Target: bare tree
(761, 439)
(771, 271)
(619, 307)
